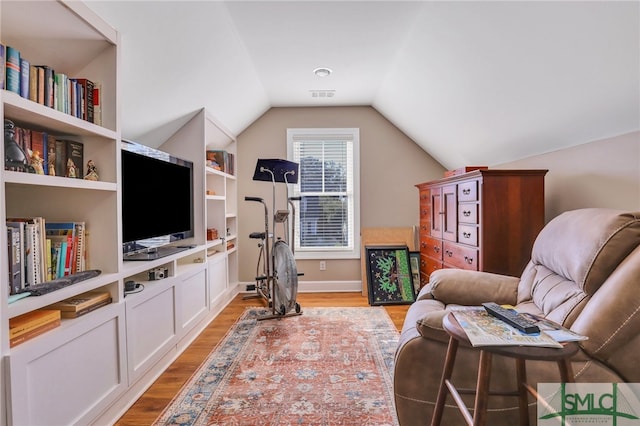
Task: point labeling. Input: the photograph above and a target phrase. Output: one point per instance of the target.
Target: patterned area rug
(328, 366)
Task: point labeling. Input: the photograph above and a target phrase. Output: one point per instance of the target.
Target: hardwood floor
(158, 396)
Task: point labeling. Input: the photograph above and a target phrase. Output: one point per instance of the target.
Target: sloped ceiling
(477, 82)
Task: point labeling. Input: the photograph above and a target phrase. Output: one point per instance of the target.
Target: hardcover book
(13, 69)
(87, 105)
(97, 103)
(48, 85)
(81, 301)
(33, 333)
(18, 273)
(24, 77)
(3, 64)
(33, 83)
(31, 320)
(14, 242)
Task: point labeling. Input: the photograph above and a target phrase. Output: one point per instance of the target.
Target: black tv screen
(157, 199)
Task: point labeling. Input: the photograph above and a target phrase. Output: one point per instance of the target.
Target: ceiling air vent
(322, 93)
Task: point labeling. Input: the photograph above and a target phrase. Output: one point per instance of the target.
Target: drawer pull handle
(424, 227)
(466, 213)
(468, 259)
(466, 234)
(424, 212)
(436, 249)
(423, 245)
(449, 253)
(466, 191)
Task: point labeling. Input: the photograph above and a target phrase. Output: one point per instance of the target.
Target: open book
(486, 330)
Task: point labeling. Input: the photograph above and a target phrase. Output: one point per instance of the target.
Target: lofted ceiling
(477, 82)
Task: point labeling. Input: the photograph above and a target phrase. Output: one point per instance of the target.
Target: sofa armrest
(471, 288)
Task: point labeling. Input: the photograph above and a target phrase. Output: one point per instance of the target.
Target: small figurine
(92, 172)
(71, 169)
(52, 163)
(36, 162)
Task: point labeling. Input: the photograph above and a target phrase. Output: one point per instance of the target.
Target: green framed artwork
(414, 259)
(389, 275)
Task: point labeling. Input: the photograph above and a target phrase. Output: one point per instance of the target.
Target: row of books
(41, 251)
(221, 160)
(79, 97)
(48, 154)
(27, 326)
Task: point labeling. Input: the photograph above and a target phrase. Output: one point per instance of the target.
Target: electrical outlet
(323, 265)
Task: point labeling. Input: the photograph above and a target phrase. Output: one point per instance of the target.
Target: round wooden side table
(482, 392)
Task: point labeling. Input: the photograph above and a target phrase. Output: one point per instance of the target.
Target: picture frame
(414, 259)
(389, 276)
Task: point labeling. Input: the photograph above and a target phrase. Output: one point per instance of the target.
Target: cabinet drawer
(460, 256)
(468, 213)
(425, 211)
(425, 197)
(468, 191)
(468, 234)
(431, 247)
(429, 265)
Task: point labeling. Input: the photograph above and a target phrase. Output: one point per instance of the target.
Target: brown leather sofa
(584, 273)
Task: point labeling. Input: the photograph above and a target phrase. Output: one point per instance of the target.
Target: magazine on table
(483, 329)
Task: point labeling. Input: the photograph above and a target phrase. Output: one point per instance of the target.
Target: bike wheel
(285, 277)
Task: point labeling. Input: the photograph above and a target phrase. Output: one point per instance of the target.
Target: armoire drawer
(468, 234)
(431, 247)
(460, 256)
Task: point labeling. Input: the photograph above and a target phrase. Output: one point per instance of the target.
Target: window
(327, 218)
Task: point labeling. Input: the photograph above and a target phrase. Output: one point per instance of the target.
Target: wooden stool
(482, 392)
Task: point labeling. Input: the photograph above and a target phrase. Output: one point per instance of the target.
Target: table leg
(446, 375)
(523, 396)
(482, 389)
(566, 372)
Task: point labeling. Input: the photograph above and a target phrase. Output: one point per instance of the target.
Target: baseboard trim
(317, 286)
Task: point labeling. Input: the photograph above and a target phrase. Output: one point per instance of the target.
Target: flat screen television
(157, 202)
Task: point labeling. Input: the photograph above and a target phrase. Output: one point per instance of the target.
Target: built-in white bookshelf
(215, 194)
(71, 39)
(90, 369)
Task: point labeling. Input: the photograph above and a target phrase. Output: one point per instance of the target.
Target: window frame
(353, 135)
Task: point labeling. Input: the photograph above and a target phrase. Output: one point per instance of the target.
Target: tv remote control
(512, 318)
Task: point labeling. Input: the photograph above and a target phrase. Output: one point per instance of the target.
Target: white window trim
(331, 133)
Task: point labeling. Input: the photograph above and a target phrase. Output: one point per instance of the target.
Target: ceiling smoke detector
(322, 93)
(322, 72)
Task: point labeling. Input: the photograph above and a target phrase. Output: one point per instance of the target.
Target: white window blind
(326, 219)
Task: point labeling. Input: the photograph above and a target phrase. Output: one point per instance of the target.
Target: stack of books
(82, 304)
(27, 326)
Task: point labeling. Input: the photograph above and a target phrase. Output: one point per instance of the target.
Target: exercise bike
(276, 271)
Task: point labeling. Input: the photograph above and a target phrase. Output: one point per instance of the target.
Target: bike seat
(257, 235)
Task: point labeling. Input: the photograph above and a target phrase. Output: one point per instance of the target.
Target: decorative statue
(52, 163)
(71, 169)
(92, 172)
(14, 156)
(36, 162)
